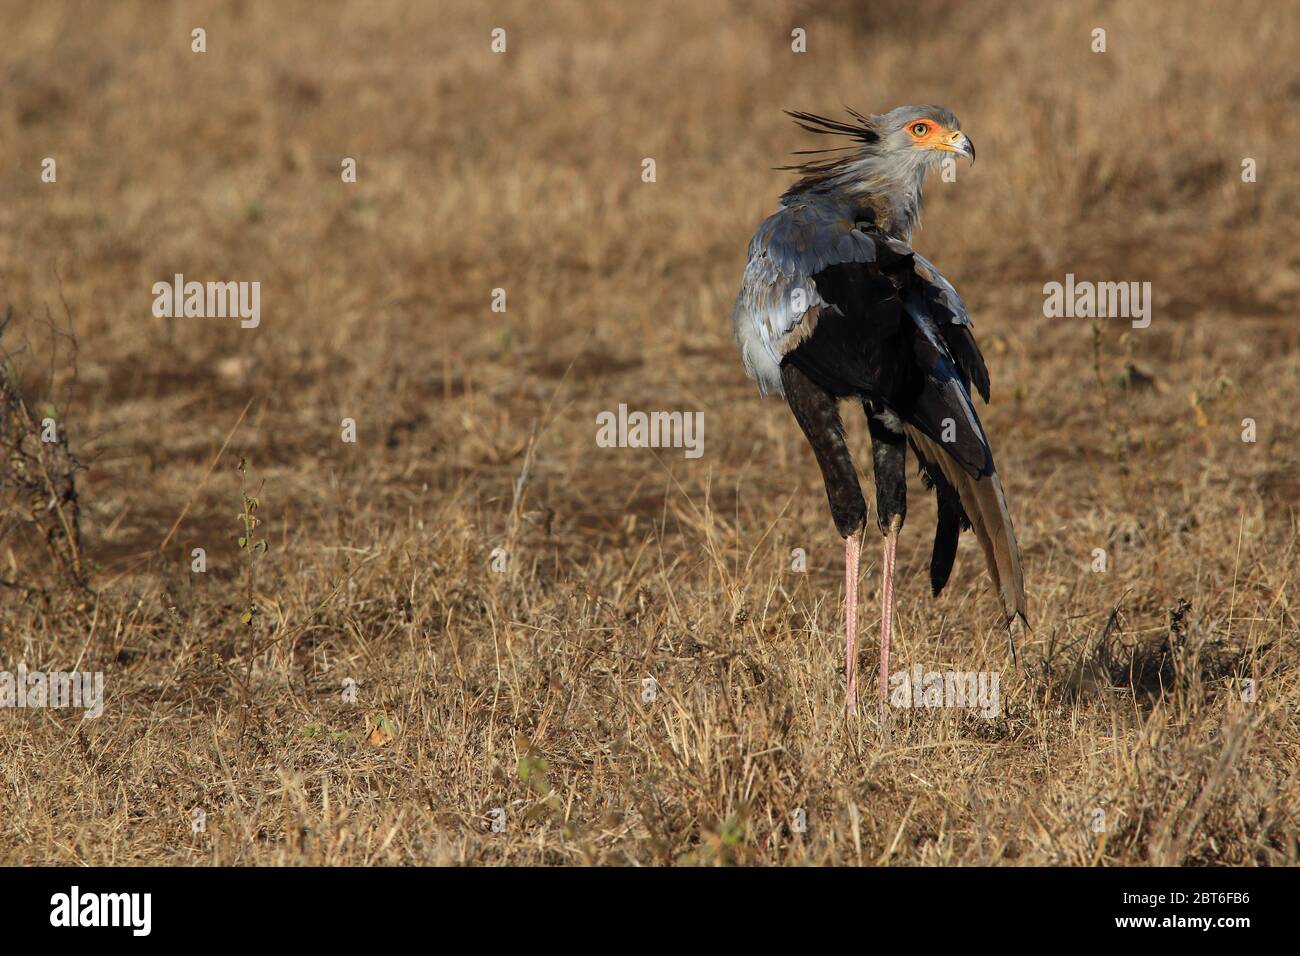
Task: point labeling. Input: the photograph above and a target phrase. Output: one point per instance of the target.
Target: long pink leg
(851, 550)
(886, 613)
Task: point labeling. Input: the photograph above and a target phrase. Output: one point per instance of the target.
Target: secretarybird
(836, 304)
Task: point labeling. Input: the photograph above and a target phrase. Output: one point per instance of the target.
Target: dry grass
(522, 690)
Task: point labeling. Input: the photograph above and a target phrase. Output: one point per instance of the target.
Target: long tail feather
(985, 505)
(946, 532)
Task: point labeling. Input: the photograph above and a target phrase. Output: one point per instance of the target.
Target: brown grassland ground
(476, 430)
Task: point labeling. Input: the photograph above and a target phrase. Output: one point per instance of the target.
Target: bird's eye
(920, 129)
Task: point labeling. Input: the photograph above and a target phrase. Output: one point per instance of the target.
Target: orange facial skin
(927, 134)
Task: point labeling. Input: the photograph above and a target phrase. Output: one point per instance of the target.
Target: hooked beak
(958, 142)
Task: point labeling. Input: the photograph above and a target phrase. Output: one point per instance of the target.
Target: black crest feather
(859, 130)
(825, 126)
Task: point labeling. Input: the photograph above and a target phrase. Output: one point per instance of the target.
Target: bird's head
(886, 166)
(923, 134)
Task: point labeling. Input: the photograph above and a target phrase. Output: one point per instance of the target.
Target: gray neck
(888, 185)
